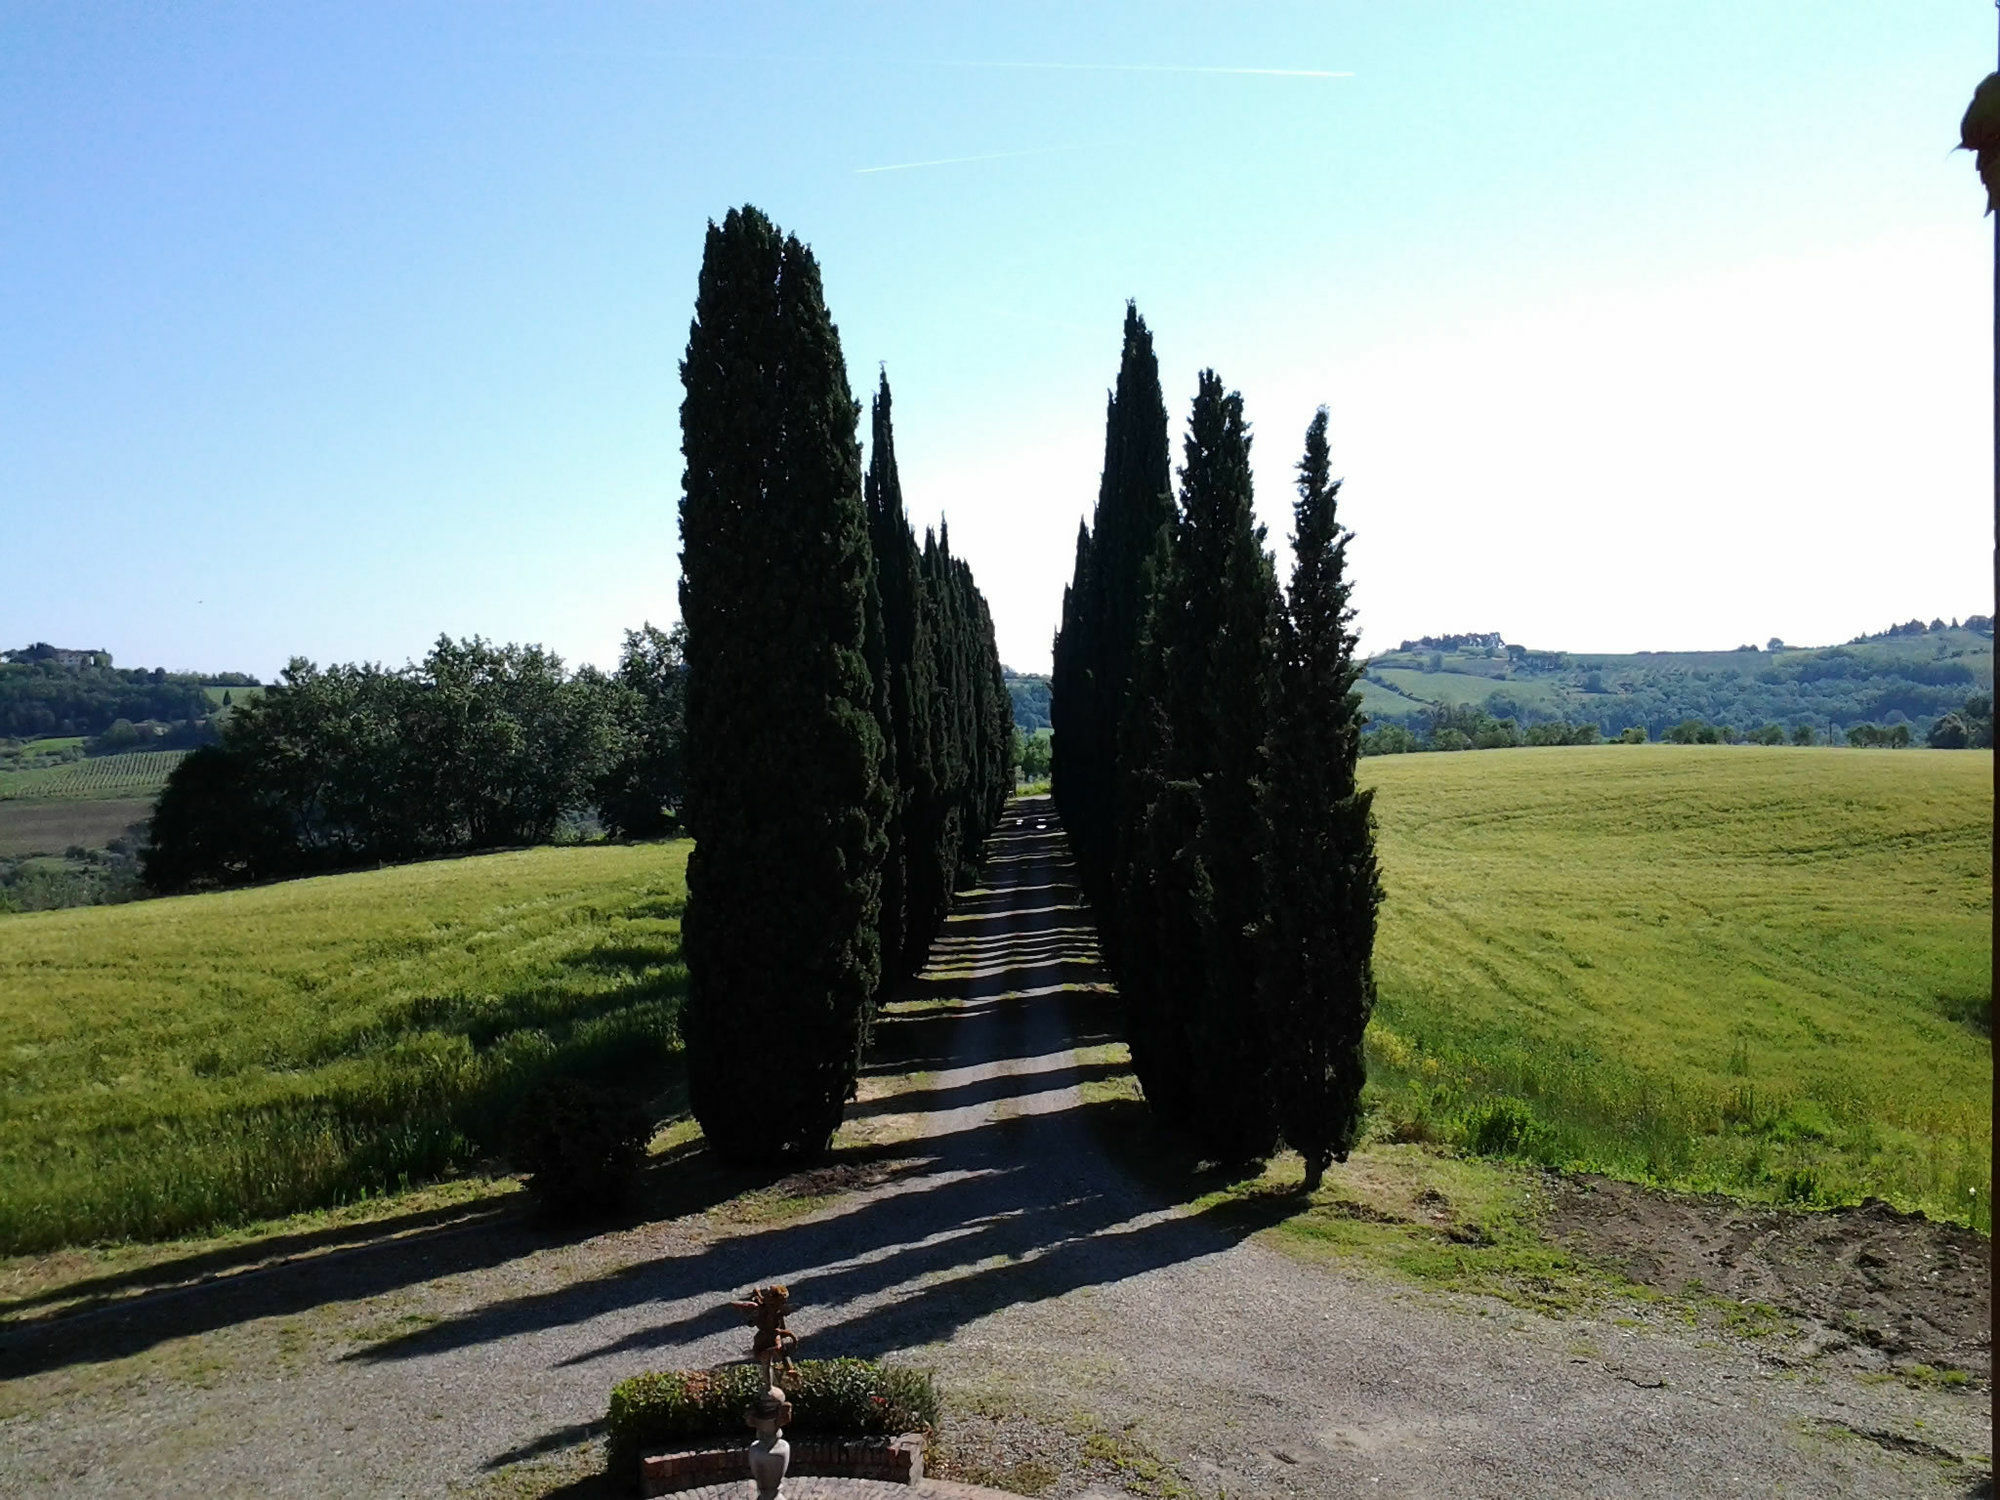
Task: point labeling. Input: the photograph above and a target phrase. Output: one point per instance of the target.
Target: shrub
(832, 1397)
(1505, 1128)
(580, 1145)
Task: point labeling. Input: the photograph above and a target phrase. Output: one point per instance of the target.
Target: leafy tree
(1388, 739)
(1948, 733)
(1031, 700)
(1322, 884)
(1037, 751)
(785, 794)
(212, 826)
(1977, 712)
(477, 747)
(641, 793)
(1562, 732)
(40, 696)
(1879, 736)
(1802, 734)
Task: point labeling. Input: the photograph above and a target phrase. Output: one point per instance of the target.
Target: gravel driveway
(996, 1243)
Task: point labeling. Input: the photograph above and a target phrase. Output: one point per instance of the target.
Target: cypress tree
(1195, 734)
(1111, 586)
(937, 835)
(971, 722)
(1317, 981)
(1070, 696)
(889, 902)
(910, 690)
(996, 723)
(1157, 939)
(785, 796)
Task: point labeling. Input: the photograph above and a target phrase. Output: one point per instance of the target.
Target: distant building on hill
(42, 651)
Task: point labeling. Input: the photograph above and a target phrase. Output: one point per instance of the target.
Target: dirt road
(1060, 1302)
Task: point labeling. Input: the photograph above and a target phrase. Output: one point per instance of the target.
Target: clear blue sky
(328, 329)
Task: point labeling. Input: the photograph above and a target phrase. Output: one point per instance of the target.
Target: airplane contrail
(1077, 67)
(952, 161)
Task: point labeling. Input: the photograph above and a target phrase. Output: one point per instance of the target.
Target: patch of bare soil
(1910, 1289)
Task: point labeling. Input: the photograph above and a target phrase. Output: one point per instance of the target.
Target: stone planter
(899, 1460)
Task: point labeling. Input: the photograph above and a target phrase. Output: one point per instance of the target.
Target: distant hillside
(48, 691)
(1911, 674)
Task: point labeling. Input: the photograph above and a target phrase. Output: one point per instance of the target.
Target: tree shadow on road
(1017, 1204)
(1008, 1198)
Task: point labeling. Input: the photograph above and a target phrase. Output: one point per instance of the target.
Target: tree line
(1468, 726)
(1207, 727)
(476, 747)
(849, 728)
(41, 698)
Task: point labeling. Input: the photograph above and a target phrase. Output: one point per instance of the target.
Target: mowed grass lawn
(1762, 971)
(175, 1064)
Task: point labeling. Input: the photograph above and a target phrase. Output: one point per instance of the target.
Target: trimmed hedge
(834, 1397)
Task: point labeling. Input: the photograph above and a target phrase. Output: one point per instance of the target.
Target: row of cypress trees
(847, 722)
(1207, 729)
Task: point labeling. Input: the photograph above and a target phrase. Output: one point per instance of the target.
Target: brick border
(898, 1460)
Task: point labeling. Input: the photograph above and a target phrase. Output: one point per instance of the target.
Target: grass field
(52, 745)
(1455, 688)
(1379, 702)
(1761, 971)
(138, 773)
(180, 1063)
(1766, 972)
(30, 827)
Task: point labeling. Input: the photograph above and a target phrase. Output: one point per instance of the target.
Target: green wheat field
(177, 1064)
(1764, 972)
(1761, 971)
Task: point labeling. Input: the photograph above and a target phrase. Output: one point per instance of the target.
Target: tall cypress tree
(1070, 696)
(785, 796)
(1113, 578)
(1195, 734)
(936, 835)
(911, 689)
(1317, 982)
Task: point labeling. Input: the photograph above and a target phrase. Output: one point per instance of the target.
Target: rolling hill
(1911, 675)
